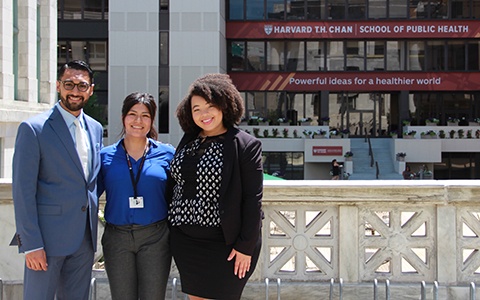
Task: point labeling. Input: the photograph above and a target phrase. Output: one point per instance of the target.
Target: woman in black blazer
(217, 184)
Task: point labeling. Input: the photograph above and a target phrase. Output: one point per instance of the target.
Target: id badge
(136, 202)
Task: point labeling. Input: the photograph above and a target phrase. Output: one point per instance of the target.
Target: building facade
(367, 67)
(28, 67)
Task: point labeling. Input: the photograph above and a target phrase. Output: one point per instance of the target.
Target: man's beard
(73, 106)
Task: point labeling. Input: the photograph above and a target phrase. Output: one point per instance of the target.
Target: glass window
(355, 55)
(356, 9)
(460, 9)
(456, 55)
(93, 9)
(439, 9)
(72, 9)
(256, 56)
(295, 56)
(236, 10)
(295, 10)
(335, 56)
(416, 56)
(236, 56)
(255, 10)
(375, 55)
(435, 56)
(275, 56)
(475, 14)
(287, 165)
(277, 103)
(473, 56)
(397, 9)
(98, 56)
(255, 104)
(314, 9)
(164, 48)
(395, 56)
(336, 9)
(275, 9)
(315, 56)
(377, 9)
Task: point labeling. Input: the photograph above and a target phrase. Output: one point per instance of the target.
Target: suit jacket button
(84, 208)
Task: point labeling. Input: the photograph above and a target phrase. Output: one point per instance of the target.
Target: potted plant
(452, 121)
(285, 132)
(429, 134)
(295, 133)
(325, 120)
(263, 121)
(477, 133)
(406, 122)
(334, 134)
(305, 121)
(401, 156)
(266, 133)
(256, 132)
(474, 122)
(283, 121)
(393, 134)
(253, 120)
(461, 133)
(307, 133)
(409, 134)
(275, 132)
(348, 155)
(432, 121)
(319, 134)
(469, 134)
(441, 134)
(451, 134)
(345, 132)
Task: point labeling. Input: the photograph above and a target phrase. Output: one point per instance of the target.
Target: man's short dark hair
(76, 65)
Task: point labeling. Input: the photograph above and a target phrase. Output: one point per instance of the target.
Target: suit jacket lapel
(58, 125)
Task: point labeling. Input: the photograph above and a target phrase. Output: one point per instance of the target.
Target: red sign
(356, 81)
(327, 150)
(376, 29)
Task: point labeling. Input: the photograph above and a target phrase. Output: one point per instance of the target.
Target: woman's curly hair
(217, 89)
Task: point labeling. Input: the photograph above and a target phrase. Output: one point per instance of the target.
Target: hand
(242, 263)
(36, 260)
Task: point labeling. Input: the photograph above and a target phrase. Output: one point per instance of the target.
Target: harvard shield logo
(268, 29)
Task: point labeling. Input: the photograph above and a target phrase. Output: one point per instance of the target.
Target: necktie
(81, 144)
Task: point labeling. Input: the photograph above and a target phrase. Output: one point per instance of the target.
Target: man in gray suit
(55, 191)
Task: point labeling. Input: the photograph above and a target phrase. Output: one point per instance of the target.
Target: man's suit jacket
(241, 189)
(51, 196)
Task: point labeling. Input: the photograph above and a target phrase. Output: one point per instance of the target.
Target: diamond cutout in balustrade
(370, 230)
(476, 215)
(289, 266)
(311, 267)
(369, 253)
(467, 231)
(326, 230)
(384, 216)
(406, 216)
(310, 216)
(421, 253)
(421, 230)
(467, 254)
(406, 267)
(289, 215)
(384, 267)
(325, 252)
(275, 230)
(275, 252)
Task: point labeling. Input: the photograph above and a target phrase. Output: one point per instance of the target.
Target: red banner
(356, 81)
(372, 29)
(327, 150)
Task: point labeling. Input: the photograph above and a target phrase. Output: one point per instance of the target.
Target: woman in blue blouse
(134, 174)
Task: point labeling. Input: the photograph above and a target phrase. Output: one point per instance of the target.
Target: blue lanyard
(130, 168)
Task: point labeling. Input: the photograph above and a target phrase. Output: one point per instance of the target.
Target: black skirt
(201, 257)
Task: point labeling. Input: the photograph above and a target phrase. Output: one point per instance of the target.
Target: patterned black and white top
(197, 171)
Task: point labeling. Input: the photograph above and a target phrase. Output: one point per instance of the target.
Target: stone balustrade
(404, 231)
